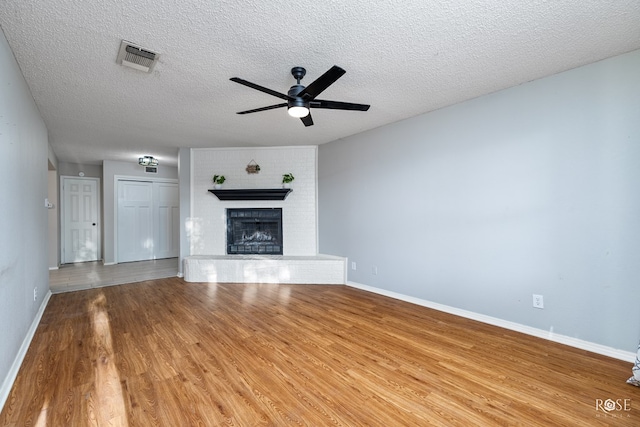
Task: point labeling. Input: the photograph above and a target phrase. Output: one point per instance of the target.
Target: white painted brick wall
(320, 269)
(299, 212)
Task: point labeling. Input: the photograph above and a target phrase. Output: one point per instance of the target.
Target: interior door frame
(63, 213)
(138, 178)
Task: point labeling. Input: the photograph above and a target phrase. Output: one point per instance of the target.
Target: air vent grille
(134, 56)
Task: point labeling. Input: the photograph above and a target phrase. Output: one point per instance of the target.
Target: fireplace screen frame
(266, 243)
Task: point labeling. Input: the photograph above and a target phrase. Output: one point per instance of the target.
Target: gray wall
(53, 229)
(24, 164)
(533, 189)
(73, 169)
(53, 226)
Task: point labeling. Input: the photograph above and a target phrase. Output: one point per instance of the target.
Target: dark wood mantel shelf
(252, 193)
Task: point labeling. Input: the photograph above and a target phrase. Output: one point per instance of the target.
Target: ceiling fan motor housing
(298, 101)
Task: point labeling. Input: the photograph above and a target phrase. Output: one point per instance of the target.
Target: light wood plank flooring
(170, 353)
(87, 275)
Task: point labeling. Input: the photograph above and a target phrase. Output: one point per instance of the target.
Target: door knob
(93, 224)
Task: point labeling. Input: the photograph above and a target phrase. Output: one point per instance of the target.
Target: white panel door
(80, 220)
(167, 219)
(135, 221)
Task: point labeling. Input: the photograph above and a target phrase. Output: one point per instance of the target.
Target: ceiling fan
(301, 99)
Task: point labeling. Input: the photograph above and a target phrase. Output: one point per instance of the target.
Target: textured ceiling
(402, 57)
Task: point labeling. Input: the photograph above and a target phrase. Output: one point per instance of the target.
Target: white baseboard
(17, 362)
(53, 268)
(627, 356)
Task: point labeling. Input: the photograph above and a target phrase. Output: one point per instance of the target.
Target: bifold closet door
(166, 219)
(135, 221)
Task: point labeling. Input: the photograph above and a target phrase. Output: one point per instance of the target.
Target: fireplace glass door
(254, 231)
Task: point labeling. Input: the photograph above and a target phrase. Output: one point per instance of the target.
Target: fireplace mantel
(252, 193)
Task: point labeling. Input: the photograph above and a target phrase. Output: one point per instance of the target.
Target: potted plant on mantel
(287, 179)
(218, 180)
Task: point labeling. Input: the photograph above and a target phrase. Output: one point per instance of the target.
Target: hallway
(87, 275)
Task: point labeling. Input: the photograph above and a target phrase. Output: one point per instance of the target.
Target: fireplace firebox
(254, 231)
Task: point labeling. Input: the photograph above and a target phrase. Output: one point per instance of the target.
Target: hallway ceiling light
(148, 161)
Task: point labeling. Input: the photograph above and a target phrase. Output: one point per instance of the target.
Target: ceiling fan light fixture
(298, 111)
(147, 161)
(297, 107)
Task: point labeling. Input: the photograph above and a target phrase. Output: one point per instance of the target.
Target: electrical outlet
(353, 265)
(374, 270)
(35, 294)
(538, 301)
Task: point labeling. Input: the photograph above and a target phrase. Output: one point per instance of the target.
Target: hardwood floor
(87, 275)
(170, 353)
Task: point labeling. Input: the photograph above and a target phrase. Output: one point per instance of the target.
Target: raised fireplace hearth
(254, 231)
(317, 269)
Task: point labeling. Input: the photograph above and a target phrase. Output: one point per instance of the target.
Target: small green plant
(219, 179)
(287, 178)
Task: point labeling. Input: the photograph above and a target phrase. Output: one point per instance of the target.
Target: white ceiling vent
(140, 58)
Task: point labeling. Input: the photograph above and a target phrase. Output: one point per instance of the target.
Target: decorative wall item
(253, 167)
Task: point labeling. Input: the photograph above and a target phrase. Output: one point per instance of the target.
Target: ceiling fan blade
(321, 83)
(255, 110)
(307, 120)
(260, 88)
(337, 105)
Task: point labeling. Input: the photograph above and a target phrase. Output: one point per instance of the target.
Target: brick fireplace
(264, 254)
(299, 211)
